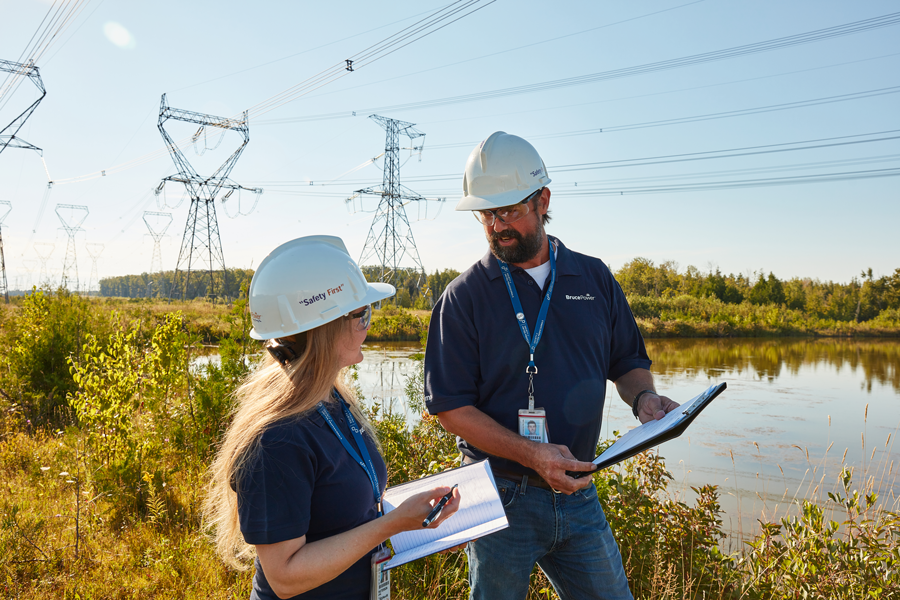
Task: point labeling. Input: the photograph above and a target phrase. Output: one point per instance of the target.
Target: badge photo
(533, 425)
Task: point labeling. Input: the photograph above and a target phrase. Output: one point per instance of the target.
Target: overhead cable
(422, 28)
(695, 118)
(675, 63)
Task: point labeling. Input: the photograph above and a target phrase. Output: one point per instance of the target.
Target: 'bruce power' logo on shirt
(581, 297)
(322, 295)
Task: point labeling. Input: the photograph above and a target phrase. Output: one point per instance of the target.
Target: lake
(794, 412)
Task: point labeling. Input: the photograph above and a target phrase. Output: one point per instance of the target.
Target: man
(534, 330)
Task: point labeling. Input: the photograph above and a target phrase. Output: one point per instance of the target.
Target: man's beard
(527, 247)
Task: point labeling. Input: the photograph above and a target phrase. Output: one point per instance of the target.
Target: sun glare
(118, 35)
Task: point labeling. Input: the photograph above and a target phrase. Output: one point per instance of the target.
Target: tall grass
(100, 498)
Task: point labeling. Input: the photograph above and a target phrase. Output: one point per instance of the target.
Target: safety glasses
(364, 315)
(506, 214)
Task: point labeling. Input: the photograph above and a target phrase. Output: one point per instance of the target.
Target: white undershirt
(540, 273)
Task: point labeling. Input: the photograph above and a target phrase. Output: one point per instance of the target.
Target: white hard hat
(305, 283)
(502, 170)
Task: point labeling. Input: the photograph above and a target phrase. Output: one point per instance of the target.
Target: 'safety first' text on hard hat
(306, 283)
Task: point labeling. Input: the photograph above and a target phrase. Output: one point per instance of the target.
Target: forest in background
(666, 301)
(862, 299)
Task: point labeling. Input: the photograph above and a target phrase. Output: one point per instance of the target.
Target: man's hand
(653, 406)
(551, 461)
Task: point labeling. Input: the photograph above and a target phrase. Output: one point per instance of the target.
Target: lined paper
(480, 512)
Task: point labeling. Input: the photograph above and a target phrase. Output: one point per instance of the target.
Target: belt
(524, 480)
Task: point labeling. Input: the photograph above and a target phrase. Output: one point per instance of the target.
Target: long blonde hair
(269, 394)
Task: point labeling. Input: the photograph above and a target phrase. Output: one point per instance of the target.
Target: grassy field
(107, 425)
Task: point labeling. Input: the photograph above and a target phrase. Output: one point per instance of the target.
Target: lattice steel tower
(25, 270)
(94, 250)
(390, 238)
(201, 242)
(5, 207)
(43, 250)
(157, 229)
(8, 133)
(76, 216)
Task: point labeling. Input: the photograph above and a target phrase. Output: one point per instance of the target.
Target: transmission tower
(72, 225)
(8, 133)
(25, 271)
(201, 243)
(94, 250)
(161, 222)
(390, 238)
(43, 250)
(5, 207)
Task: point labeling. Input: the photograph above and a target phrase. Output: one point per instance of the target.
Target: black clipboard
(687, 416)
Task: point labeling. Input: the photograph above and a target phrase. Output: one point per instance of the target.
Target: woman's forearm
(293, 566)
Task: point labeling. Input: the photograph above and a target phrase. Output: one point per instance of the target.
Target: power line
(265, 64)
(736, 184)
(669, 158)
(423, 28)
(696, 118)
(674, 63)
(730, 152)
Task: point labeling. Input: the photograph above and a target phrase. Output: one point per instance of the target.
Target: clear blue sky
(104, 76)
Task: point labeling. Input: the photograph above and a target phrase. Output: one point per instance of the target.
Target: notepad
(480, 512)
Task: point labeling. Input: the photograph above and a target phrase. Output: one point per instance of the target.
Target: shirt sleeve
(452, 366)
(627, 350)
(275, 492)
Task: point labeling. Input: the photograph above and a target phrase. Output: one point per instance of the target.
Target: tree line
(162, 285)
(862, 299)
(414, 290)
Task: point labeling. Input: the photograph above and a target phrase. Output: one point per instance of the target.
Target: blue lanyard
(366, 464)
(532, 341)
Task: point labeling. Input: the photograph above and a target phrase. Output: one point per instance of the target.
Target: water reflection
(795, 412)
(384, 372)
(878, 361)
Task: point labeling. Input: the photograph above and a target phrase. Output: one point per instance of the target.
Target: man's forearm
(550, 461)
(486, 434)
(632, 383)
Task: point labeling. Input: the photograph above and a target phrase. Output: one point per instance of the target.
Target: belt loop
(524, 485)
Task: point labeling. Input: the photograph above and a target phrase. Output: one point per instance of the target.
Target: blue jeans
(567, 536)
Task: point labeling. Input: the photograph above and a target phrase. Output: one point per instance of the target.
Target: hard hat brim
(472, 202)
(375, 292)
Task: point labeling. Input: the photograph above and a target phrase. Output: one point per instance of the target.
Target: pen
(437, 507)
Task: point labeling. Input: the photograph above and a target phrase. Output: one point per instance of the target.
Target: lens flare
(118, 35)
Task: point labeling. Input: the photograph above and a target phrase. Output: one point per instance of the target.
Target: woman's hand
(416, 509)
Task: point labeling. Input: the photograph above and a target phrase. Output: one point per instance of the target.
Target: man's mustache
(507, 234)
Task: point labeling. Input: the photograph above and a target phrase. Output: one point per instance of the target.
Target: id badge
(533, 425)
(381, 579)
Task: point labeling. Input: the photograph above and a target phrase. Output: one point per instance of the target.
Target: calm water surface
(766, 439)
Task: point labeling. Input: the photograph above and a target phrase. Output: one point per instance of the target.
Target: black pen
(437, 507)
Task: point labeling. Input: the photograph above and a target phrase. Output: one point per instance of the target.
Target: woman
(298, 476)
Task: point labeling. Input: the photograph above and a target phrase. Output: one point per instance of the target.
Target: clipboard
(480, 512)
(653, 433)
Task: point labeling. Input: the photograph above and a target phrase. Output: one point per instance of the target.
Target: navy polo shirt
(476, 354)
(302, 481)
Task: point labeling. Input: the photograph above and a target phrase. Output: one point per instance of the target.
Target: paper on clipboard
(480, 512)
